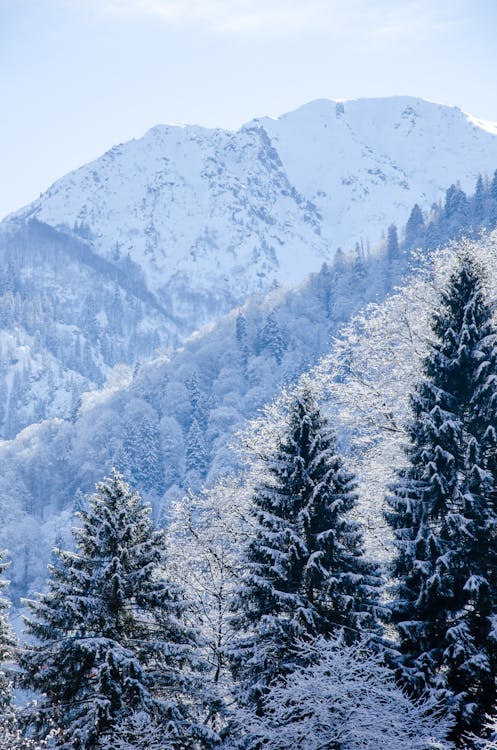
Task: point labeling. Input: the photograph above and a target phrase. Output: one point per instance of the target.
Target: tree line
(448, 220)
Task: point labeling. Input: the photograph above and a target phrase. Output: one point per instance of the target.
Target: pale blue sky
(77, 76)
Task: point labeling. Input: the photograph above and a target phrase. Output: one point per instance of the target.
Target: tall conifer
(443, 511)
(305, 570)
(110, 636)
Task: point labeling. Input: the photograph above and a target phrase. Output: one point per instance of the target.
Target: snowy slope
(365, 162)
(203, 211)
(211, 216)
(168, 232)
(67, 318)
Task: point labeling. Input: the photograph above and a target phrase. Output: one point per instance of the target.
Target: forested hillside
(291, 395)
(355, 539)
(170, 427)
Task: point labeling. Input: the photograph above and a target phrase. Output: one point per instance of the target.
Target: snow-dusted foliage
(345, 697)
(147, 427)
(489, 739)
(137, 731)
(109, 634)
(303, 567)
(10, 733)
(205, 535)
(374, 365)
(7, 643)
(13, 738)
(67, 318)
(443, 511)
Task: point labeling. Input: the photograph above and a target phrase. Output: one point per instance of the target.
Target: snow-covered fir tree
(196, 458)
(199, 407)
(344, 697)
(489, 740)
(271, 337)
(7, 641)
(137, 731)
(242, 338)
(414, 227)
(392, 244)
(140, 456)
(12, 737)
(444, 515)
(305, 573)
(109, 634)
(9, 732)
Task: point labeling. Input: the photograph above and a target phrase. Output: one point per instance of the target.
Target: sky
(79, 76)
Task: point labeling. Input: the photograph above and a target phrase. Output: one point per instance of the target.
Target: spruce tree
(271, 338)
(305, 570)
(392, 244)
(242, 338)
(493, 187)
(199, 407)
(443, 511)
(359, 270)
(140, 456)
(456, 210)
(478, 202)
(196, 457)
(10, 730)
(493, 201)
(415, 227)
(7, 645)
(110, 638)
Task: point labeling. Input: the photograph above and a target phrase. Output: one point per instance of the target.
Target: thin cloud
(350, 18)
(226, 16)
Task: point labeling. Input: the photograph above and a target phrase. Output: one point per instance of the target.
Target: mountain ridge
(168, 232)
(207, 202)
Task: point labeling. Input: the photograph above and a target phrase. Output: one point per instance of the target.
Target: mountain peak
(375, 110)
(209, 216)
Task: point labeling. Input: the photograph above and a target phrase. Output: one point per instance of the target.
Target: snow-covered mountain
(163, 234)
(364, 163)
(138, 249)
(67, 318)
(210, 216)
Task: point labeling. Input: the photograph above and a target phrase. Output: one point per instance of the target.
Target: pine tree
(456, 209)
(196, 457)
(7, 644)
(444, 515)
(415, 227)
(493, 187)
(110, 637)
(478, 202)
(493, 200)
(242, 338)
(489, 740)
(339, 261)
(140, 456)
(271, 338)
(359, 269)
(10, 734)
(136, 732)
(199, 410)
(392, 244)
(305, 571)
